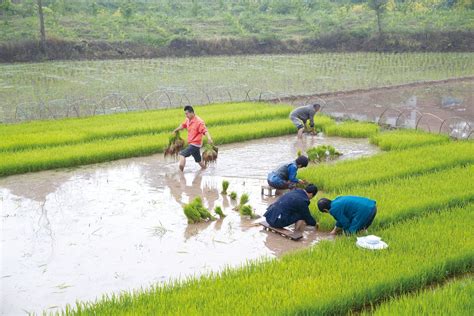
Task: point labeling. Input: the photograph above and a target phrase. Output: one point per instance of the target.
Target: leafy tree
(378, 6)
(42, 30)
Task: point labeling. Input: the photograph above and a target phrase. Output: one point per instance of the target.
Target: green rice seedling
(389, 165)
(418, 255)
(233, 196)
(406, 138)
(244, 198)
(225, 186)
(198, 206)
(407, 197)
(352, 129)
(322, 153)
(322, 121)
(246, 210)
(175, 144)
(102, 150)
(192, 214)
(72, 131)
(218, 211)
(453, 298)
(209, 154)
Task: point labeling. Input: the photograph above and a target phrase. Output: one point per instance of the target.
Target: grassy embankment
(424, 215)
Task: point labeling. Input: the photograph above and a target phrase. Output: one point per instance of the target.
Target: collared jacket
(289, 208)
(196, 129)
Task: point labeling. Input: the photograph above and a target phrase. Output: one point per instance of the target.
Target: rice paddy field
(92, 218)
(422, 182)
(83, 88)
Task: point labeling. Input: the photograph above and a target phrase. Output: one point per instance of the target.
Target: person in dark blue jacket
(292, 208)
(352, 213)
(285, 176)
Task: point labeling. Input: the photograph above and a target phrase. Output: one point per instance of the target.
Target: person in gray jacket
(302, 114)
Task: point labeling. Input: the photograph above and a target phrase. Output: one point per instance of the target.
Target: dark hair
(317, 106)
(324, 204)
(311, 188)
(188, 108)
(302, 161)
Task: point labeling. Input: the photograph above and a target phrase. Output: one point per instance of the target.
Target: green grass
(406, 138)
(330, 278)
(352, 129)
(453, 298)
(388, 165)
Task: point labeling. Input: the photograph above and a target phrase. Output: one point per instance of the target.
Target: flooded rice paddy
(76, 234)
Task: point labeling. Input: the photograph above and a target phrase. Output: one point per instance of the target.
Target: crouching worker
(352, 213)
(285, 176)
(292, 208)
(301, 115)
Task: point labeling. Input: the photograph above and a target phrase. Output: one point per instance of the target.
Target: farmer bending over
(300, 115)
(196, 128)
(285, 176)
(352, 213)
(292, 208)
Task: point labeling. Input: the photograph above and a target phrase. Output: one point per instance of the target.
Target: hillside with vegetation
(100, 29)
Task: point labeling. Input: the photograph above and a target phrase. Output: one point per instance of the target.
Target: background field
(81, 88)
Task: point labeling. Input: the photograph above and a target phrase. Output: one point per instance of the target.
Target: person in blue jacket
(352, 213)
(292, 208)
(284, 177)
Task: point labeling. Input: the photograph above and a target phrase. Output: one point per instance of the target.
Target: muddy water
(76, 234)
(435, 107)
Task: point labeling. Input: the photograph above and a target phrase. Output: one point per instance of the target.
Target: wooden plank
(282, 231)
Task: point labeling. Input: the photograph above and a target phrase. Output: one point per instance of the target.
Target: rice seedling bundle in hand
(233, 196)
(209, 153)
(175, 144)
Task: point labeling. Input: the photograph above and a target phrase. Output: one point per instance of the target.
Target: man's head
(301, 161)
(311, 190)
(324, 205)
(316, 106)
(189, 111)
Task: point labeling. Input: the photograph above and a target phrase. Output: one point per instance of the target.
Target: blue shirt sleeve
(292, 169)
(341, 220)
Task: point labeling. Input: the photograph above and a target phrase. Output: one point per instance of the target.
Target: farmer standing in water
(301, 115)
(196, 129)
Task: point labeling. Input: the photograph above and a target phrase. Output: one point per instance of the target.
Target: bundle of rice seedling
(225, 186)
(192, 214)
(233, 196)
(196, 212)
(247, 210)
(322, 153)
(218, 211)
(244, 198)
(209, 153)
(197, 203)
(175, 144)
